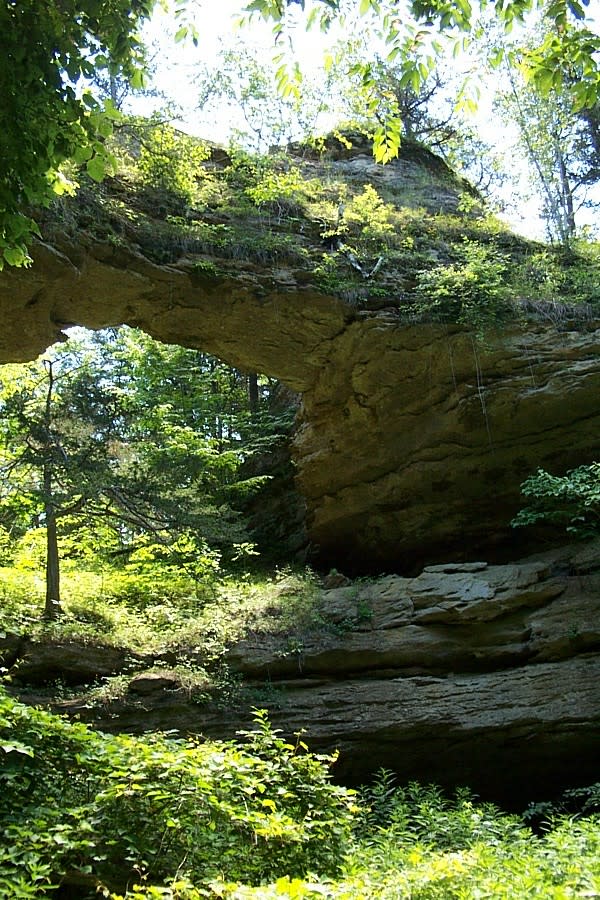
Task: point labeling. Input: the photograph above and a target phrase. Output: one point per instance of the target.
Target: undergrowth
(157, 613)
(133, 818)
(166, 622)
(91, 810)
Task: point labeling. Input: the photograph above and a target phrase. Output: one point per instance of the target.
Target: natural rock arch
(412, 440)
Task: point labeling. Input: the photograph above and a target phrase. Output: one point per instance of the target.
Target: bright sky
(176, 65)
(217, 25)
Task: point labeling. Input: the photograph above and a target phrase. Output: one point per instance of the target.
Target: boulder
(73, 662)
(147, 683)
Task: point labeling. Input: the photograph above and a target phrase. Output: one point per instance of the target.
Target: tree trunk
(114, 93)
(568, 204)
(253, 392)
(52, 608)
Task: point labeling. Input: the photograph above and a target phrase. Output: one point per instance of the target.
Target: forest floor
(259, 820)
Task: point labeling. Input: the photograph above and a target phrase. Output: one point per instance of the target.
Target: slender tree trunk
(567, 197)
(52, 608)
(114, 91)
(253, 392)
(592, 119)
(218, 427)
(554, 211)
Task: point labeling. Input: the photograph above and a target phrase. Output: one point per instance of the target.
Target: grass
(152, 614)
(174, 624)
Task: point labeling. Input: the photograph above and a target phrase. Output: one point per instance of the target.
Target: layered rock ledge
(470, 674)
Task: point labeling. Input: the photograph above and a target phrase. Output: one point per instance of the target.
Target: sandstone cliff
(412, 438)
(473, 674)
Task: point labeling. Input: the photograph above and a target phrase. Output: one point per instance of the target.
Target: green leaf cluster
(49, 50)
(569, 275)
(81, 807)
(136, 449)
(571, 500)
(172, 161)
(472, 292)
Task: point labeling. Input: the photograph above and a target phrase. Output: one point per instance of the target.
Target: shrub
(562, 275)
(81, 806)
(280, 191)
(572, 500)
(368, 212)
(471, 292)
(172, 161)
(21, 598)
(418, 813)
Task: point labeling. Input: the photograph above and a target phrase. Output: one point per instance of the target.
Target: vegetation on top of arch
(50, 116)
(374, 243)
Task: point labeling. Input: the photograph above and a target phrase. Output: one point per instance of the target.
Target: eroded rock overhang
(412, 440)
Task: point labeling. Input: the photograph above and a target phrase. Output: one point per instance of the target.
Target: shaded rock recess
(476, 674)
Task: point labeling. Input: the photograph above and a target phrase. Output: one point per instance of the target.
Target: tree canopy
(52, 51)
(47, 117)
(130, 447)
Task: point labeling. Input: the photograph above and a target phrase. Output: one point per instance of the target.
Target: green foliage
(423, 814)
(280, 190)
(6, 546)
(46, 120)
(50, 54)
(162, 609)
(562, 276)
(154, 818)
(572, 500)
(575, 802)
(565, 58)
(136, 447)
(172, 161)
(77, 804)
(471, 292)
(423, 845)
(21, 597)
(371, 215)
(265, 107)
(556, 137)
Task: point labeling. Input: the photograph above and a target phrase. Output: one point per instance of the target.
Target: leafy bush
(172, 161)
(572, 500)
(280, 190)
(82, 807)
(471, 292)
(563, 275)
(574, 802)
(371, 214)
(415, 842)
(21, 598)
(185, 821)
(420, 813)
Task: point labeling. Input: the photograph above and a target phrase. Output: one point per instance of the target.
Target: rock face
(471, 674)
(412, 439)
(417, 452)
